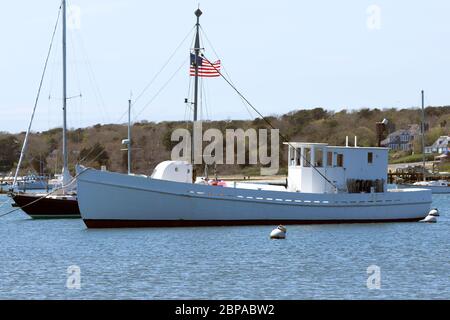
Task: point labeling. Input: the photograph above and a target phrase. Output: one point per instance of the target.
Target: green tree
(96, 154)
(9, 152)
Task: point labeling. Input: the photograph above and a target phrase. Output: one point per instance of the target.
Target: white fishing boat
(326, 184)
(168, 198)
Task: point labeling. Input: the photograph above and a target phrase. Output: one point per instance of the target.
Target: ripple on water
(314, 262)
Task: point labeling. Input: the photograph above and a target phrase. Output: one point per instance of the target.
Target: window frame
(370, 157)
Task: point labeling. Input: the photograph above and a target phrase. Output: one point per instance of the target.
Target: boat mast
(423, 136)
(129, 136)
(65, 169)
(198, 13)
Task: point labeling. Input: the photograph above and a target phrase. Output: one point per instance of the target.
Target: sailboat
(326, 184)
(61, 203)
(436, 186)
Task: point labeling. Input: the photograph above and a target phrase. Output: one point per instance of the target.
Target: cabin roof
(305, 144)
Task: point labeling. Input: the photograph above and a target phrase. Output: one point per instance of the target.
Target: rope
(162, 68)
(268, 122)
(161, 89)
(93, 80)
(225, 70)
(145, 89)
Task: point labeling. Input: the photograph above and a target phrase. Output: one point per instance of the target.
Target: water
(314, 262)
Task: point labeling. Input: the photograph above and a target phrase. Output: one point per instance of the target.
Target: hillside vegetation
(101, 144)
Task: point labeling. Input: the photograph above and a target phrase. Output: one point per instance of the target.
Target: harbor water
(313, 262)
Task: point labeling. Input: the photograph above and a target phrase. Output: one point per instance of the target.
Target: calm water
(314, 262)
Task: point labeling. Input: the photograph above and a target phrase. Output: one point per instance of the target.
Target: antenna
(423, 134)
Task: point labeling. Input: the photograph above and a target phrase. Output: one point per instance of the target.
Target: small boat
(32, 182)
(61, 203)
(325, 184)
(438, 186)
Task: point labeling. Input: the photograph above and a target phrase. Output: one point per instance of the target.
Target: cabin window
(370, 157)
(307, 158)
(340, 160)
(291, 156)
(298, 156)
(329, 158)
(318, 157)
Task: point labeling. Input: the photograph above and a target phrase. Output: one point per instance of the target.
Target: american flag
(205, 68)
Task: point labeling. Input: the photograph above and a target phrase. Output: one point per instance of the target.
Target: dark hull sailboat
(44, 207)
(64, 203)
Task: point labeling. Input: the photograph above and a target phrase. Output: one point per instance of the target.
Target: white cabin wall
(355, 166)
(294, 178)
(294, 170)
(179, 171)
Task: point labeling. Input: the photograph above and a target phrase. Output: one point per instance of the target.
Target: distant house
(402, 139)
(441, 145)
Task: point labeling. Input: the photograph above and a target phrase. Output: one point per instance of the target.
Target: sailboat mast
(65, 169)
(129, 136)
(198, 13)
(423, 135)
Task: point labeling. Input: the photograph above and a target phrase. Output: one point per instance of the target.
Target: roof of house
(412, 130)
(441, 142)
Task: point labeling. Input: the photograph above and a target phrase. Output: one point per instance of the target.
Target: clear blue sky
(283, 55)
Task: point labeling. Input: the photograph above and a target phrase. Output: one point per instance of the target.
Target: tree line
(100, 145)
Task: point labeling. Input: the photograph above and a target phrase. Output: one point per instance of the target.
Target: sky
(282, 55)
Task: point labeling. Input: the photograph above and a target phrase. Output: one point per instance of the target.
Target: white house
(441, 145)
(402, 139)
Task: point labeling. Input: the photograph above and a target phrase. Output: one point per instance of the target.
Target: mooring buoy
(434, 212)
(278, 233)
(430, 219)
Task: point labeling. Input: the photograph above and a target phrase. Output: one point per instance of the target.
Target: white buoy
(434, 212)
(278, 233)
(430, 219)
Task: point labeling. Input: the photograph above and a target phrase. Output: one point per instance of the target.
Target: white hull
(109, 199)
(434, 189)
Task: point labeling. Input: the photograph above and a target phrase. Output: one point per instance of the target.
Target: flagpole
(198, 13)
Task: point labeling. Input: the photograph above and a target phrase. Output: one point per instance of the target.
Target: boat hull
(104, 224)
(434, 189)
(47, 208)
(117, 200)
